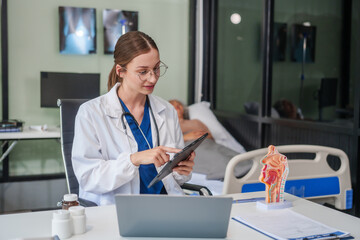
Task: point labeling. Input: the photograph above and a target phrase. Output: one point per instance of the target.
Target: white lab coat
(101, 149)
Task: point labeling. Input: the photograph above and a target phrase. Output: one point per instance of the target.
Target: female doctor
(124, 137)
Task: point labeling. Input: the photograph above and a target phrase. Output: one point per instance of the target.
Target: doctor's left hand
(185, 167)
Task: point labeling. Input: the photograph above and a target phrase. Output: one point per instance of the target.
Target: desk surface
(102, 221)
(27, 133)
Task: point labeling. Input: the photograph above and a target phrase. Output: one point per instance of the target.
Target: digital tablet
(178, 157)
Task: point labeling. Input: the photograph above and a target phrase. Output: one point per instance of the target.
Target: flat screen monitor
(328, 92)
(61, 85)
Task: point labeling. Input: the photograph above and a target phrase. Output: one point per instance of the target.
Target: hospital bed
(310, 177)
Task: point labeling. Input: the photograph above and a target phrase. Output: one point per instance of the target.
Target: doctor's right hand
(158, 156)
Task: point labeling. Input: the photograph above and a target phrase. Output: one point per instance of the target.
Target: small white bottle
(78, 218)
(62, 224)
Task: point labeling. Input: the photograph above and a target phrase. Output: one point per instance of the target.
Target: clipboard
(178, 157)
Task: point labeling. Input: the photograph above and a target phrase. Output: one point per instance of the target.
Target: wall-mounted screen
(61, 85)
(77, 30)
(117, 23)
(303, 43)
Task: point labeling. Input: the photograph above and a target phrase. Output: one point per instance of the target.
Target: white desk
(26, 134)
(102, 221)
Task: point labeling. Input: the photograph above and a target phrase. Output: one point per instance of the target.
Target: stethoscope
(137, 124)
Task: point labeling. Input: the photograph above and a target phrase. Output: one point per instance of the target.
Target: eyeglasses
(157, 71)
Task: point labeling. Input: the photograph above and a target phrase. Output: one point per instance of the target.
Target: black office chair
(327, 94)
(191, 189)
(68, 111)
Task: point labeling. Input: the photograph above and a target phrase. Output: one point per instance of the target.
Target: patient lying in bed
(216, 151)
(191, 128)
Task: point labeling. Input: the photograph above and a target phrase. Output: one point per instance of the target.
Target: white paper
(287, 224)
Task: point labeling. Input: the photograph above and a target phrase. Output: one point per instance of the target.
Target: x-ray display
(279, 42)
(77, 30)
(303, 43)
(117, 23)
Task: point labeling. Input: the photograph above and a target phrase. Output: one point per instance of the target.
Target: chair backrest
(309, 178)
(68, 111)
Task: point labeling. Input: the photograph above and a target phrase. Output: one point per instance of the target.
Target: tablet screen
(178, 157)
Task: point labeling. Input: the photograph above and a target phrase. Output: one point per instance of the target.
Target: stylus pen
(246, 200)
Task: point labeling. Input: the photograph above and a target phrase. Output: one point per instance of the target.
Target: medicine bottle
(77, 214)
(62, 224)
(70, 200)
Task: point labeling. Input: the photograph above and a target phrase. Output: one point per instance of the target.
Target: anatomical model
(274, 174)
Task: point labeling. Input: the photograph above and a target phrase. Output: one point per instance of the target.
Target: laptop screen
(173, 216)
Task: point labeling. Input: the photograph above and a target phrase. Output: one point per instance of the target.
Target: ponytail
(113, 78)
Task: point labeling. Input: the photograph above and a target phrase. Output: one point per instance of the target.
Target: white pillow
(202, 112)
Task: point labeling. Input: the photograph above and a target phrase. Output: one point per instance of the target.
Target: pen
(248, 200)
(327, 236)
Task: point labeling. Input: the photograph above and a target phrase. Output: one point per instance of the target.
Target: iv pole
(302, 78)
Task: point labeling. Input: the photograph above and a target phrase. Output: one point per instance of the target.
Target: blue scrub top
(147, 172)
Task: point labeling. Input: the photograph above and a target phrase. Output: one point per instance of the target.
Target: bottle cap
(61, 215)
(77, 210)
(70, 197)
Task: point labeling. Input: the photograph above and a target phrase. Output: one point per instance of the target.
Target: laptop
(173, 216)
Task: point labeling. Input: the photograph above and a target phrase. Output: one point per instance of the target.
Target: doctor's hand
(185, 167)
(158, 156)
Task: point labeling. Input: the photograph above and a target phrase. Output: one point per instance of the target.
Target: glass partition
(238, 79)
(307, 63)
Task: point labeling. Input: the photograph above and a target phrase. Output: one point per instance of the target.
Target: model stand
(273, 206)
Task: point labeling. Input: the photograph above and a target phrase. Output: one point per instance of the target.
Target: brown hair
(129, 46)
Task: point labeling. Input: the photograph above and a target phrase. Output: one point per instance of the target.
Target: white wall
(34, 47)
